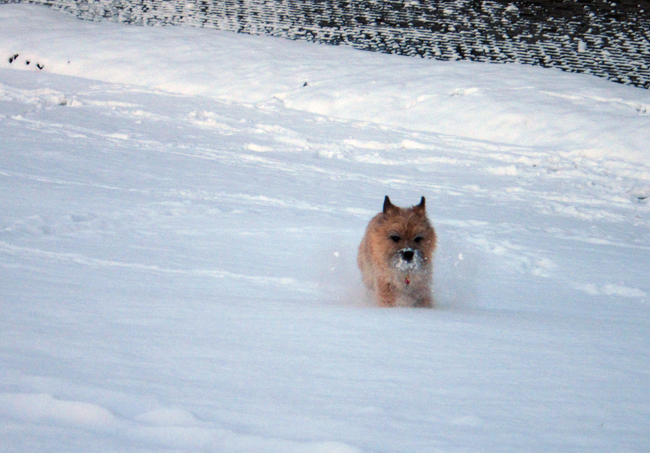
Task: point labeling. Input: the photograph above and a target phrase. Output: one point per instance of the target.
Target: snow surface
(179, 215)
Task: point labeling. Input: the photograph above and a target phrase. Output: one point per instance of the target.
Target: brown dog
(396, 254)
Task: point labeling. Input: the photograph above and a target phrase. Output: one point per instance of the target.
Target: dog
(396, 256)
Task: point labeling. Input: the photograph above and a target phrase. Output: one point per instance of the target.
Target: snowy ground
(178, 232)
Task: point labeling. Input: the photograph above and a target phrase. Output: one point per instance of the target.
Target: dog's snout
(407, 255)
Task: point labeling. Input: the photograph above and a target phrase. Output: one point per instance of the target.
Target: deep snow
(178, 232)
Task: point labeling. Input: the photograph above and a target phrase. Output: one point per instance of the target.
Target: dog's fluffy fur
(395, 256)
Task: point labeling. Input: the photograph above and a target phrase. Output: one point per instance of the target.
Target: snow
(178, 233)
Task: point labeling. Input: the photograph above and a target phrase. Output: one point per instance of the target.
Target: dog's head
(405, 236)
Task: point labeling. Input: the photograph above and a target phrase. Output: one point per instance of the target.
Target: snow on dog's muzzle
(407, 259)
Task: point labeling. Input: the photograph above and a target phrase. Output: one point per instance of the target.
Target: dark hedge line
(609, 39)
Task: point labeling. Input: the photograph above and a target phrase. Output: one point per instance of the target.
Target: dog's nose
(407, 255)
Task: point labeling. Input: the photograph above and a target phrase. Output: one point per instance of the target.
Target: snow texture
(179, 215)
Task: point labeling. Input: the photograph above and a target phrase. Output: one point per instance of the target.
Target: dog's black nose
(408, 255)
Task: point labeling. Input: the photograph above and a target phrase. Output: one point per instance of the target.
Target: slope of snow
(178, 235)
(515, 104)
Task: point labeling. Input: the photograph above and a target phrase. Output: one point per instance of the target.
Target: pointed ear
(421, 207)
(387, 205)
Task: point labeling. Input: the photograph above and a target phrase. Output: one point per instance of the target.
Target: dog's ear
(388, 206)
(421, 208)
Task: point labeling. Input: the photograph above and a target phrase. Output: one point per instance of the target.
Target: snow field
(178, 241)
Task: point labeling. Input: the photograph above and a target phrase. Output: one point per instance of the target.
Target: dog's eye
(395, 238)
(417, 239)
